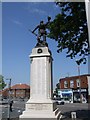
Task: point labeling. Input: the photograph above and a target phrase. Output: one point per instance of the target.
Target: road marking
(60, 117)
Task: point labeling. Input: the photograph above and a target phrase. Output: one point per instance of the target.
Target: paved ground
(16, 111)
(82, 111)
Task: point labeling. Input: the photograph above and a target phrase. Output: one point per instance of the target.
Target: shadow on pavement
(80, 114)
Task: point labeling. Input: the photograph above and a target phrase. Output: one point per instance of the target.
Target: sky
(18, 42)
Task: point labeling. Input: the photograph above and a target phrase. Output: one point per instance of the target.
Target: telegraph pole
(79, 80)
(80, 83)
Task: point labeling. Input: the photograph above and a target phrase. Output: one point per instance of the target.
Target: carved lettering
(39, 107)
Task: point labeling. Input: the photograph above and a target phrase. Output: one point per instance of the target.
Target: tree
(2, 83)
(56, 89)
(69, 29)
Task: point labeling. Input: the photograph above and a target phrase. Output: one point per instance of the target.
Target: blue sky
(17, 42)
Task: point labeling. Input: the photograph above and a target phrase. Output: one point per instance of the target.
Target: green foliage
(57, 88)
(69, 29)
(2, 83)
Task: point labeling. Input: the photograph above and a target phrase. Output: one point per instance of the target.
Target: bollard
(73, 115)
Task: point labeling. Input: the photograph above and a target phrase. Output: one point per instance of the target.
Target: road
(66, 109)
(17, 109)
(82, 111)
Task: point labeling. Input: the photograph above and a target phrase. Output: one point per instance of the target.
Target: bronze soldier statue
(42, 30)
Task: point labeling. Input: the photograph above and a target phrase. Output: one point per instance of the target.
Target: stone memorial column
(40, 106)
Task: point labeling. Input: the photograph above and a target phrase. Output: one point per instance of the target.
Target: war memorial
(41, 106)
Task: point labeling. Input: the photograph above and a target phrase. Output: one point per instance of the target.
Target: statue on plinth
(41, 32)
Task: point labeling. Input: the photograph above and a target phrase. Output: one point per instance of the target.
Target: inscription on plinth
(39, 106)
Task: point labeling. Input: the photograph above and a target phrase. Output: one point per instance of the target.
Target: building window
(12, 92)
(78, 82)
(71, 84)
(18, 93)
(65, 84)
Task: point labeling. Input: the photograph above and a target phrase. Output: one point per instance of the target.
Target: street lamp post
(79, 80)
(79, 83)
(9, 92)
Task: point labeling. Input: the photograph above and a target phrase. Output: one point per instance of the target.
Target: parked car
(67, 100)
(60, 101)
(4, 101)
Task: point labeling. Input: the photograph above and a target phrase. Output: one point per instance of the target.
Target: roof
(20, 86)
(85, 75)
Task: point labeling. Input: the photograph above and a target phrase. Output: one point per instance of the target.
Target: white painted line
(60, 117)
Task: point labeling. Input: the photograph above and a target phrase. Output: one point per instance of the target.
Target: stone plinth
(40, 106)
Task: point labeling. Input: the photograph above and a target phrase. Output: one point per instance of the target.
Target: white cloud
(33, 7)
(38, 11)
(17, 22)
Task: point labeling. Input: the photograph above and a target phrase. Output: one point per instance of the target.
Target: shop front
(66, 94)
(80, 95)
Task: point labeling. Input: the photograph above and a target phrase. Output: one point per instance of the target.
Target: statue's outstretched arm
(49, 18)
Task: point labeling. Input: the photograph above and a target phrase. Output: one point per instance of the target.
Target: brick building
(17, 91)
(4, 93)
(78, 86)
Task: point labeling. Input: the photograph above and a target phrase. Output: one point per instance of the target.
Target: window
(65, 84)
(12, 92)
(78, 82)
(71, 84)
